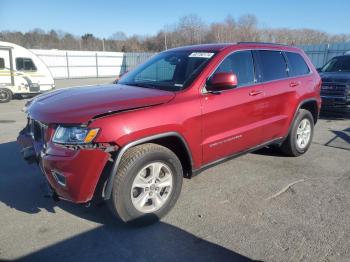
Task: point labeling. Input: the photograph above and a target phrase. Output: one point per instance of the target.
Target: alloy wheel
(152, 187)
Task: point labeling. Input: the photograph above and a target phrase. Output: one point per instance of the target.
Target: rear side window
(25, 64)
(297, 64)
(241, 64)
(272, 65)
(2, 63)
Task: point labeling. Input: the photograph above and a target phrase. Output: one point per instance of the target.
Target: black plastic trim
(108, 189)
(230, 157)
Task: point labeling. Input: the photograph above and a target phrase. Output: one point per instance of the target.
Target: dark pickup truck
(335, 90)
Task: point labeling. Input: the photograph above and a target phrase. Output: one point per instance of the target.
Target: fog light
(60, 179)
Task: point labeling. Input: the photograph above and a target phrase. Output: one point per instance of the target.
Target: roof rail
(261, 43)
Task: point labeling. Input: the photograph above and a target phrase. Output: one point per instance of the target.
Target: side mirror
(319, 69)
(221, 81)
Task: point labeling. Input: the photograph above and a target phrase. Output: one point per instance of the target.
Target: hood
(80, 104)
(341, 77)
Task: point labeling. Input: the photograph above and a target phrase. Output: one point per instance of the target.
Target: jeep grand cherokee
(131, 143)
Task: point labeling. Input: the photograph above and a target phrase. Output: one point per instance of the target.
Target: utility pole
(165, 41)
(103, 44)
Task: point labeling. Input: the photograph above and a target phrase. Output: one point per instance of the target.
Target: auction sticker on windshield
(201, 54)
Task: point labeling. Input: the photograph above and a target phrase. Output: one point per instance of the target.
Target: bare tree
(191, 29)
(188, 30)
(118, 36)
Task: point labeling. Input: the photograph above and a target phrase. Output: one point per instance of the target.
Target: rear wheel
(147, 184)
(300, 136)
(5, 95)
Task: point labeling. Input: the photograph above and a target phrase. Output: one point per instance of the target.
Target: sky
(103, 18)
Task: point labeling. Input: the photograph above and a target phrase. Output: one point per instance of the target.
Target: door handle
(255, 93)
(294, 84)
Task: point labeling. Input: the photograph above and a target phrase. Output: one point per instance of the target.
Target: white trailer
(22, 73)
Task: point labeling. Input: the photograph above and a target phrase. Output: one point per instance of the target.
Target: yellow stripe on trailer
(7, 73)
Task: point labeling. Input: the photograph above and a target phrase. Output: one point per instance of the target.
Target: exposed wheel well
(312, 107)
(176, 145)
(170, 140)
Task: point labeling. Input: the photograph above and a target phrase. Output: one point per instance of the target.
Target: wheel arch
(310, 105)
(171, 140)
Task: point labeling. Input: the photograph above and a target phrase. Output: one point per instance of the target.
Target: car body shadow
(269, 151)
(159, 242)
(22, 188)
(340, 140)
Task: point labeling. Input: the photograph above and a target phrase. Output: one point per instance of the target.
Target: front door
(231, 119)
(5, 71)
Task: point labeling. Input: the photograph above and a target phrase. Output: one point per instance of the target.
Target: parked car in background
(335, 74)
(22, 73)
(184, 110)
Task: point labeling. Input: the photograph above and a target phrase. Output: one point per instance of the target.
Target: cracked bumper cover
(80, 169)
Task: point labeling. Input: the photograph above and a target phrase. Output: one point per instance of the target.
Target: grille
(38, 130)
(34, 87)
(334, 89)
(332, 80)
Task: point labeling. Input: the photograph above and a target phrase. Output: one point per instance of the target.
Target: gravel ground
(241, 210)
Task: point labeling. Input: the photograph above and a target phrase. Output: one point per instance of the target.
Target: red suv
(131, 143)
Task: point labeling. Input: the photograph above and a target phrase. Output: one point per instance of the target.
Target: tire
(293, 145)
(135, 168)
(5, 95)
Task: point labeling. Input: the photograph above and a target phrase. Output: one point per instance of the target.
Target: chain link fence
(134, 59)
(65, 64)
(322, 53)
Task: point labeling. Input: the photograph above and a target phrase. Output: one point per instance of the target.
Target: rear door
(5, 73)
(231, 119)
(279, 92)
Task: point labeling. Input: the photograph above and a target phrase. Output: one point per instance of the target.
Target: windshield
(171, 70)
(337, 64)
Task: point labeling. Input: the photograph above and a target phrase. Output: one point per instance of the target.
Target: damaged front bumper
(72, 173)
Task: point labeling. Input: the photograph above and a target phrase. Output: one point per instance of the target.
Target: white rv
(22, 73)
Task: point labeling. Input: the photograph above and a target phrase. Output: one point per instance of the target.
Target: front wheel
(147, 184)
(300, 136)
(5, 95)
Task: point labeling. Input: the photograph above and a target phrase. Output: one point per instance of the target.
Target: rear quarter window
(272, 65)
(297, 64)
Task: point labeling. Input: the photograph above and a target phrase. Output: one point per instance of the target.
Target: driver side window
(241, 64)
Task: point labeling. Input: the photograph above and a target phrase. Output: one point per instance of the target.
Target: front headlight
(74, 135)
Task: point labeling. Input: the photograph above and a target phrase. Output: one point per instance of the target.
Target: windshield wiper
(144, 85)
